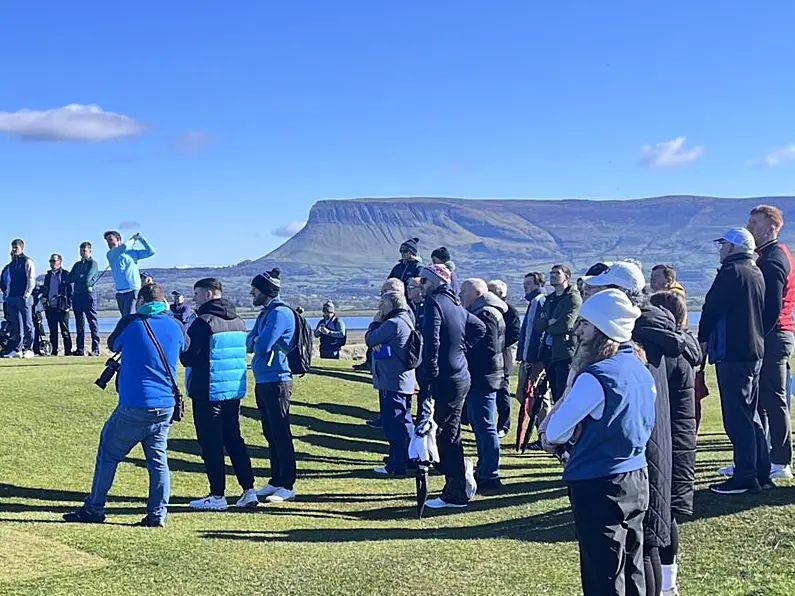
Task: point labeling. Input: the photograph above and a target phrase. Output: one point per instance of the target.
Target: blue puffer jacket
(269, 341)
(215, 361)
(142, 381)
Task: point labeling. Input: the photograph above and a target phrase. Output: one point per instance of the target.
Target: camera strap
(174, 385)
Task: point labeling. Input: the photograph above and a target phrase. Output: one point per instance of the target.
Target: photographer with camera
(150, 342)
(123, 262)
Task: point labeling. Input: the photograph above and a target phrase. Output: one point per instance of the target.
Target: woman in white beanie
(609, 410)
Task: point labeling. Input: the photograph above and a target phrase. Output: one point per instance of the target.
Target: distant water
(107, 324)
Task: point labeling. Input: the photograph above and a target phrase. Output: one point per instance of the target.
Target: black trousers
(85, 307)
(58, 321)
(773, 407)
(449, 396)
(608, 517)
(504, 392)
(558, 375)
(738, 383)
(217, 427)
(273, 402)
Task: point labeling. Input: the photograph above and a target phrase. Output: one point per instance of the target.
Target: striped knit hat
(269, 282)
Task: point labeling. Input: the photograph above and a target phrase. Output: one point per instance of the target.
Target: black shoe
(81, 516)
(736, 487)
(535, 446)
(149, 522)
(95, 353)
(490, 485)
(362, 366)
(76, 353)
(375, 423)
(766, 483)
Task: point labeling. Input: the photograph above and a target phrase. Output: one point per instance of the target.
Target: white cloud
(74, 122)
(288, 230)
(776, 157)
(129, 224)
(192, 141)
(669, 154)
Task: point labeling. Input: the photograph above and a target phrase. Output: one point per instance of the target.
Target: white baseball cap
(739, 237)
(622, 274)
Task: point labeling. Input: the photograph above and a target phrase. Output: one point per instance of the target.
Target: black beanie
(442, 254)
(269, 283)
(410, 245)
(596, 269)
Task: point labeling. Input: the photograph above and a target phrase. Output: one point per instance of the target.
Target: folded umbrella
(701, 391)
(525, 409)
(539, 391)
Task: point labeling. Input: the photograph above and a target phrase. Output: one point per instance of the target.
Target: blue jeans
(85, 307)
(126, 302)
(482, 411)
(125, 428)
(398, 426)
(20, 321)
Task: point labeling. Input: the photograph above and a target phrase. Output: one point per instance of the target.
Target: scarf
(151, 309)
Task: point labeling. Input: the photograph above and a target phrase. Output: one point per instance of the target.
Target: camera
(112, 366)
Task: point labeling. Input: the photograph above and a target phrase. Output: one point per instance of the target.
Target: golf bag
(41, 342)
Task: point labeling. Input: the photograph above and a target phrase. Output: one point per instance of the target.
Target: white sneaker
(267, 490)
(28, 354)
(210, 503)
(281, 495)
(780, 472)
(469, 475)
(381, 470)
(501, 434)
(439, 503)
(727, 470)
(12, 355)
(249, 499)
(671, 592)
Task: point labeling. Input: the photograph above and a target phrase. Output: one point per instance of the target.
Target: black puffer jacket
(655, 331)
(682, 393)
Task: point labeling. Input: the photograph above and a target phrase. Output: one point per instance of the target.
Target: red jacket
(778, 268)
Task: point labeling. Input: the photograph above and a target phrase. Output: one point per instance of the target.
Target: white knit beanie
(612, 313)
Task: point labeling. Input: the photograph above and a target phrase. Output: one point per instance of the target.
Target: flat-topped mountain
(348, 246)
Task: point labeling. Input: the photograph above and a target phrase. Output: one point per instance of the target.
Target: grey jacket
(391, 374)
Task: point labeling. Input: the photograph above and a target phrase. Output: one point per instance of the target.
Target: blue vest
(616, 443)
(228, 366)
(18, 276)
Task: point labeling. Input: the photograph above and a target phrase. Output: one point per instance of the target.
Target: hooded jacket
(215, 361)
(123, 261)
(21, 277)
(447, 330)
(732, 318)
(563, 310)
(682, 395)
(270, 340)
(486, 358)
(655, 331)
(391, 373)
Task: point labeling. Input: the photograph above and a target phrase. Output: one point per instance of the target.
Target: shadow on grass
(342, 409)
(342, 429)
(344, 444)
(342, 375)
(552, 526)
(707, 504)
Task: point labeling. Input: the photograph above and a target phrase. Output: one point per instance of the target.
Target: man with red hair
(778, 268)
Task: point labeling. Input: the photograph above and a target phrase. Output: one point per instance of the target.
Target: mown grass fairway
(348, 532)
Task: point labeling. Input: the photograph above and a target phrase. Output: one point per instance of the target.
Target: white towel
(424, 449)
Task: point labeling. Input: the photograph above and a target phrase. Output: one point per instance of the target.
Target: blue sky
(221, 125)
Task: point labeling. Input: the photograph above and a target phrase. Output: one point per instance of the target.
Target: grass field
(347, 532)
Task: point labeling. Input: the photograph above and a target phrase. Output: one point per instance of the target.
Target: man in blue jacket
(19, 288)
(146, 404)
(84, 276)
(123, 260)
(331, 332)
(215, 374)
(269, 341)
(447, 331)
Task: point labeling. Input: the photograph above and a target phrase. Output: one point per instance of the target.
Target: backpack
(414, 345)
(299, 354)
